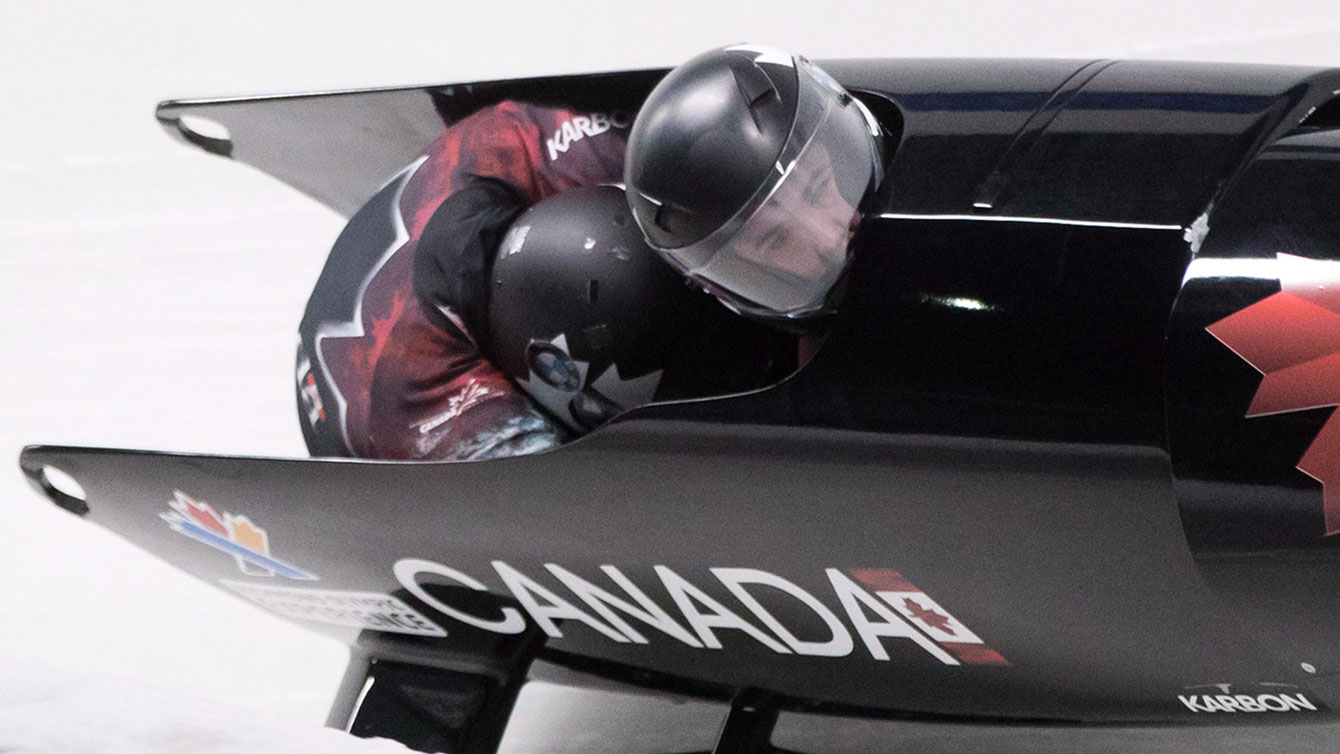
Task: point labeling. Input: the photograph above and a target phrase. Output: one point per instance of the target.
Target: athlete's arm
(452, 260)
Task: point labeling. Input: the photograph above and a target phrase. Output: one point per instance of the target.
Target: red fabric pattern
(402, 371)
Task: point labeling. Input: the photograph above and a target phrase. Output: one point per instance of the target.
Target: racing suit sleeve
(453, 257)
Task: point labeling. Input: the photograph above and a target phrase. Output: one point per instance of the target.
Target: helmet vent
(757, 89)
(754, 83)
(592, 292)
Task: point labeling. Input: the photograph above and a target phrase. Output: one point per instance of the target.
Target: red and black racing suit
(391, 363)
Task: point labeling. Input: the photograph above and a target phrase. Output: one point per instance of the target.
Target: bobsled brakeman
(1066, 459)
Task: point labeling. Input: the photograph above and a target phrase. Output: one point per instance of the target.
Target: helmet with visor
(747, 170)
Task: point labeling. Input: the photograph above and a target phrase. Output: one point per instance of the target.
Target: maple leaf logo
(457, 404)
(235, 535)
(927, 616)
(1293, 339)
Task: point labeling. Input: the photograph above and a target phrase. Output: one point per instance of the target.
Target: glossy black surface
(994, 329)
(959, 119)
(1149, 142)
(746, 109)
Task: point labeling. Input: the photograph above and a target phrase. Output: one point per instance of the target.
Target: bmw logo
(553, 365)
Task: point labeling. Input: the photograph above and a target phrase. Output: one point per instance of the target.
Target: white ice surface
(149, 293)
(53, 712)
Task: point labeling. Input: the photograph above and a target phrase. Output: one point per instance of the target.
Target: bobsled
(1064, 475)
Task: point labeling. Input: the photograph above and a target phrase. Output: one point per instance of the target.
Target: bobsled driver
(503, 293)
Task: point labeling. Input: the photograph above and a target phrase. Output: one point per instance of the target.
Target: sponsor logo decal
(552, 364)
(235, 535)
(876, 608)
(580, 126)
(367, 610)
(1293, 339)
(1258, 697)
(467, 398)
(925, 613)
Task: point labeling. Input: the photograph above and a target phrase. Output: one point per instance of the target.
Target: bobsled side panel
(339, 147)
(912, 574)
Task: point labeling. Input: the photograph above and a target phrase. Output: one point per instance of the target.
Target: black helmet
(746, 169)
(590, 322)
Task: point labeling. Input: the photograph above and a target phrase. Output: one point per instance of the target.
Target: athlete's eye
(815, 188)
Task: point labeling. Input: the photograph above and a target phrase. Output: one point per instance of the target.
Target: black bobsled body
(1063, 458)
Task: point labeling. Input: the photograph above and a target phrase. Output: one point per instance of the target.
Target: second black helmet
(590, 322)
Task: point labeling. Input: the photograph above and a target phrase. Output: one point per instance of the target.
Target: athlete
(390, 362)
(749, 169)
(590, 322)
(747, 172)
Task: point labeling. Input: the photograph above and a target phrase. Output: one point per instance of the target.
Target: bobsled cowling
(1064, 457)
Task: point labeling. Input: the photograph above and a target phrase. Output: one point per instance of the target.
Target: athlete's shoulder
(558, 126)
(568, 127)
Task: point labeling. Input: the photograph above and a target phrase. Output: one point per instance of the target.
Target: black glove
(456, 249)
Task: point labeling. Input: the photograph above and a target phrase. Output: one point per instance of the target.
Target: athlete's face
(804, 229)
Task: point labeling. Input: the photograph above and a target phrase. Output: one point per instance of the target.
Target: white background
(149, 293)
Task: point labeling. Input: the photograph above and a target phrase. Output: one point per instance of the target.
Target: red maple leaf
(1293, 339)
(202, 513)
(927, 616)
